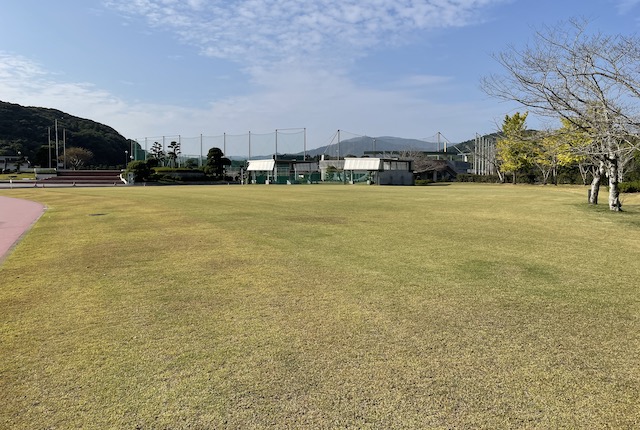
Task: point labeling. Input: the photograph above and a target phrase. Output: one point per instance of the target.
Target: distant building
(283, 170)
(433, 165)
(380, 171)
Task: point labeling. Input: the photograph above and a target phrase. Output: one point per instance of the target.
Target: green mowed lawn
(460, 306)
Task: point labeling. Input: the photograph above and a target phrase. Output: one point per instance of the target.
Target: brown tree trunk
(614, 191)
(595, 184)
(584, 172)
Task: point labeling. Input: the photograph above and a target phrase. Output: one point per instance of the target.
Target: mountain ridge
(26, 129)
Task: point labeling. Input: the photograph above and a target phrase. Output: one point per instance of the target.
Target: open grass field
(461, 306)
(17, 176)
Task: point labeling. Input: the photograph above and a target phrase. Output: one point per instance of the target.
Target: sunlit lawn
(461, 306)
(17, 176)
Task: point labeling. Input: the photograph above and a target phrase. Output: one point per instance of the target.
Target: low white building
(380, 171)
(282, 171)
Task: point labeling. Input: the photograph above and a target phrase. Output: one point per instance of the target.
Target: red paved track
(16, 216)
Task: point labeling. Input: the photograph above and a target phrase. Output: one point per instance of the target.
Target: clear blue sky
(406, 68)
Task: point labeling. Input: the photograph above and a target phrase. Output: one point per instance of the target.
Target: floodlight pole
(55, 122)
(276, 153)
(305, 144)
(476, 156)
(64, 148)
(49, 145)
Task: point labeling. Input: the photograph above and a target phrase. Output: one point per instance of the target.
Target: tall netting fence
(194, 149)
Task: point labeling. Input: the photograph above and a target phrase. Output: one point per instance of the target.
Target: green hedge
(468, 177)
(629, 187)
(177, 170)
(423, 181)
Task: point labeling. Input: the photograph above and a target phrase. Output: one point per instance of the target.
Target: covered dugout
(381, 171)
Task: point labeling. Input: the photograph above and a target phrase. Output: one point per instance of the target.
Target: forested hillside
(25, 129)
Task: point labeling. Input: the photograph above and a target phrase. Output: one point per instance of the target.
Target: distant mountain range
(357, 147)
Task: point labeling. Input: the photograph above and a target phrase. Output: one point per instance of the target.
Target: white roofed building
(380, 171)
(282, 171)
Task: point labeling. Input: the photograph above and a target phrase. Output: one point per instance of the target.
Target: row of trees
(143, 169)
(519, 150)
(74, 157)
(168, 158)
(589, 81)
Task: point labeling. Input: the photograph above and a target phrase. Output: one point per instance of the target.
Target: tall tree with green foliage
(576, 141)
(157, 153)
(173, 153)
(552, 150)
(216, 163)
(513, 148)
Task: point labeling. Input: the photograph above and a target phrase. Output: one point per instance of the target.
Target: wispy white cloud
(253, 31)
(625, 6)
(414, 81)
(25, 82)
(316, 99)
(298, 55)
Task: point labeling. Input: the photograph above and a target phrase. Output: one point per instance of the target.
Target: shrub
(629, 187)
(172, 174)
(423, 181)
(140, 169)
(468, 177)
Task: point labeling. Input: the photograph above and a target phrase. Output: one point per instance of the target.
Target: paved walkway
(16, 216)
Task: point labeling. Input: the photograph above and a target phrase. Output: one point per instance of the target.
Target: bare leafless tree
(78, 157)
(590, 79)
(420, 161)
